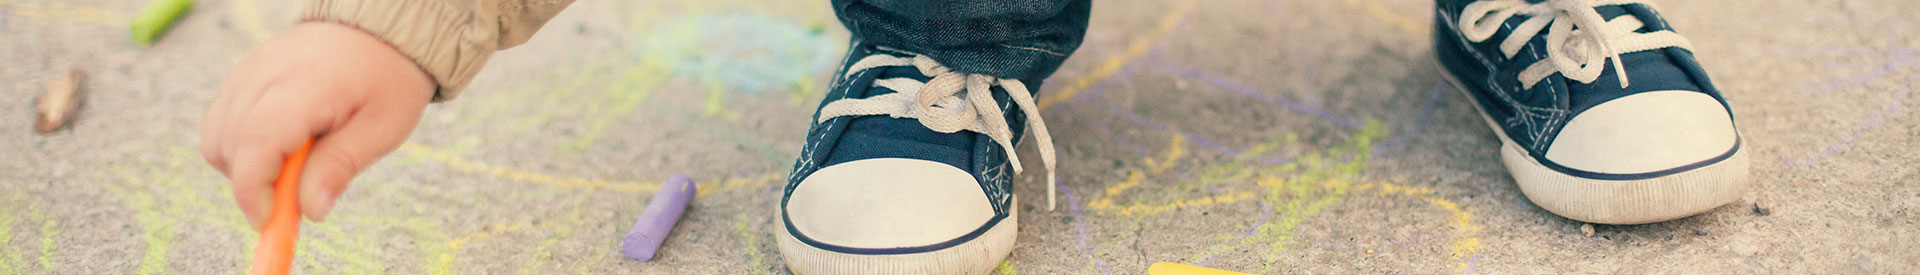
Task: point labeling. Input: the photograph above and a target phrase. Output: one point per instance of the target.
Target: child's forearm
(450, 39)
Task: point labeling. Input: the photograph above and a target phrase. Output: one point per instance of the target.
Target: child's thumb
(337, 157)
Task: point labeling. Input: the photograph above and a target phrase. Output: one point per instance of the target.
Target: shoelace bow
(1575, 53)
(953, 101)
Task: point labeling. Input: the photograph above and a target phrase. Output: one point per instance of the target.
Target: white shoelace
(1575, 53)
(953, 101)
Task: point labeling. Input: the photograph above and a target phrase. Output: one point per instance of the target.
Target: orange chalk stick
(274, 255)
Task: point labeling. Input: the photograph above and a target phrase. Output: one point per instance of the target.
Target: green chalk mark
(10, 256)
(47, 231)
(540, 253)
(1304, 188)
(566, 92)
(12, 261)
(749, 242)
(621, 98)
(304, 251)
(716, 106)
(165, 202)
(154, 19)
(159, 232)
(1006, 268)
(804, 88)
(359, 252)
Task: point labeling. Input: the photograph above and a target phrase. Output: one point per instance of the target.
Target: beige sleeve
(450, 39)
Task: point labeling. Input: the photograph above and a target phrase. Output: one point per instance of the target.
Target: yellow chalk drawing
(1377, 11)
(1466, 241)
(444, 262)
(1175, 152)
(1114, 63)
(1138, 209)
(1006, 268)
(1295, 192)
(65, 12)
(1176, 149)
(728, 184)
(489, 231)
(1106, 202)
(1300, 190)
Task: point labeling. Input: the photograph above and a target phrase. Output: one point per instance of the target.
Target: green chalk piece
(154, 19)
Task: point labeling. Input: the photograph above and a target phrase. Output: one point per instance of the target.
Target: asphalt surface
(1256, 136)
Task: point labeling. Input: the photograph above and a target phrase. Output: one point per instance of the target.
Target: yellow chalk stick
(1166, 268)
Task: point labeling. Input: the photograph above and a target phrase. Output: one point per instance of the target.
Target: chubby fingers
(372, 132)
(283, 118)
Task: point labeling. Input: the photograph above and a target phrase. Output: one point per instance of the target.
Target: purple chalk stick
(658, 219)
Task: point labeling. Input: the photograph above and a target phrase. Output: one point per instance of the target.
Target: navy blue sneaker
(905, 170)
(1603, 114)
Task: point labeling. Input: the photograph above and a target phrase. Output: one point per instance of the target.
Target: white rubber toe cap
(1645, 132)
(887, 203)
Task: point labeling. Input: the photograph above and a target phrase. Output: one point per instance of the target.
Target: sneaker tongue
(1652, 70)
(868, 137)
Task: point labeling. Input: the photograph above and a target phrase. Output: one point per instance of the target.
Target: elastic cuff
(446, 41)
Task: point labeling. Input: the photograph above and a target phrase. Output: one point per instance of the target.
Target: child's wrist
(379, 61)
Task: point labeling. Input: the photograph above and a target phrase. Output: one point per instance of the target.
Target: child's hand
(359, 96)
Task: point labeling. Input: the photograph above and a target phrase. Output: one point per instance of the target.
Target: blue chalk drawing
(740, 52)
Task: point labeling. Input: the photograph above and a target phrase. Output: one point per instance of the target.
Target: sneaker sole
(1617, 201)
(979, 256)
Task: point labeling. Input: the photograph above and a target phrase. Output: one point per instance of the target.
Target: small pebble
(1762, 207)
(1699, 232)
(1586, 229)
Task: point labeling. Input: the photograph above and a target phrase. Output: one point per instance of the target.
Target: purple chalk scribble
(1080, 226)
(1426, 113)
(1231, 86)
(1873, 121)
